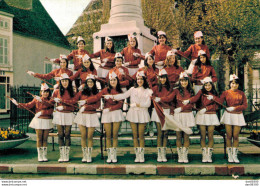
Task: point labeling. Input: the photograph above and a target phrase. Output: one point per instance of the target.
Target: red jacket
(193, 51)
(160, 52)
(103, 54)
(127, 52)
(90, 108)
(83, 75)
(164, 92)
(66, 99)
(206, 71)
(54, 73)
(123, 79)
(173, 74)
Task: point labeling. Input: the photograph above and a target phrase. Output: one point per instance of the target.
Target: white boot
(159, 157)
(185, 151)
(164, 159)
(180, 155)
(142, 160)
(66, 154)
(44, 154)
(235, 151)
(114, 155)
(39, 150)
(109, 160)
(89, 157)
(137, 154)
(210, 150)
(204, 155)
(84, 154)
(62, 149)
(230, 157)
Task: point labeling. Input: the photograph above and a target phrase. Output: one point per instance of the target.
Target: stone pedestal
(125, 18)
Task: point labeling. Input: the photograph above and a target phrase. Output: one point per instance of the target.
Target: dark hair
(189, 87)
(136, 45)
(118, 57)
(118, 86)
(236, 81)
(198, 63)
(87, 91)
(69, 88)
(48, 90)
(67, 62)
(146, 64)
(175, 63)
(167, 83)
(82, 41)
(91, 67)
(213, 90)
(112, 49)
(145, 85)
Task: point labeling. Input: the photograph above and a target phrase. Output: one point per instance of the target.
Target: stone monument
(125, 18)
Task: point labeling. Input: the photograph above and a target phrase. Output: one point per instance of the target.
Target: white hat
(183, 75)
(107, 39)
(233, 77)
(63, 56)
(112, 75)
(201, 52)
(90, 76)
(86, 57)
(147, 55)
(64, 76)
(162, 72)
(161, 33)
(80, 39)
(140, 73)
(131, 36)
(198, 34)
(118, 54)
(207, 80)
(44, 86)
(170, 53)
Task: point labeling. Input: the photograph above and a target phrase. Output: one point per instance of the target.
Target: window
(4, 91)
(4, 24)
(3, 51)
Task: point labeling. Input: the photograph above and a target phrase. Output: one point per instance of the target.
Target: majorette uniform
(115, 113)
(173, 74)
(166, 107)
(209, 117)
(193, 51)
(65, 116)
(83, 74)
(88, 117)
(123, 77)
(44, 121)
(103, 71)
(151, 75)
(159, 52)
(127, 52)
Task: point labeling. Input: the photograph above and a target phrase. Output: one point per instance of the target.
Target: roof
(31, 19)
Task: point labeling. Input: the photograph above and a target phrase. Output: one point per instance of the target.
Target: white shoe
(230, 156)
(159, 157)
(114, 155)
(39, 150)
(89, 154)
(185, 151)
(66, 154)
(84, 154)
(204, 155)
(137, 154)
(142, 160)
(235, 151)
(180, 155)
(44, 154)
(164, 159)
(210, 150)
(62, 149)
(109, 160)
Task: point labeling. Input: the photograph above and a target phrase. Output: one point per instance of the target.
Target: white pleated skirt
(186, 119)
(38, 123)
(61, 118)
(207, 119)
(233, 119)
(87, 120)
(132, 71)
(113, 116)
(138, 115)
(102, 73)
(155, 117)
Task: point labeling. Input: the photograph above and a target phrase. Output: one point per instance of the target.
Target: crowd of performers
(161, 92)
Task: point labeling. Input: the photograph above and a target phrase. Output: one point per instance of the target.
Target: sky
(65, 12)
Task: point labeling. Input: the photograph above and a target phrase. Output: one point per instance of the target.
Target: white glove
(38, 98)
(56, 86)
(174, 50)
(160, 63)
(82, 102)
(105, 60)
(230, 109)
(52, 60)
(81, 87)
(133, 105)
(121, 71)
(106, 110)
(177, 110)
(82, 109)
(103, 64)
(210, 97)
(14, 102)
(136, 54)
(60, 108)
(185, 102)
(31, 73)
(202, 111)
(194, 61)
(126, 64)
(108, 96)
(57, 100)
(38, 114)
(156, 99)
(57, 78)
(79, 56)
